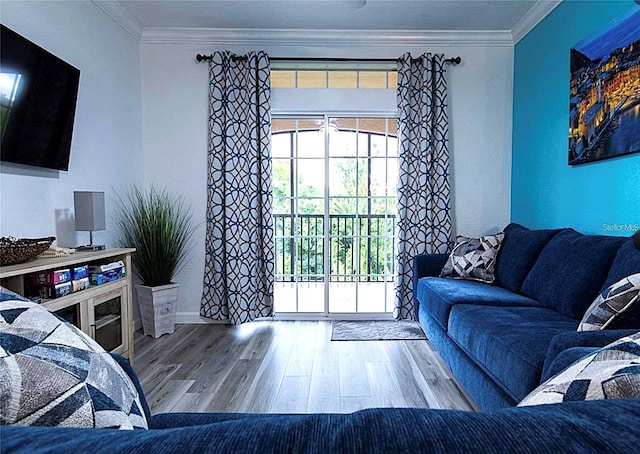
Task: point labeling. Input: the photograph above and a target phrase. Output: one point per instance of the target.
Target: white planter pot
(158, 308)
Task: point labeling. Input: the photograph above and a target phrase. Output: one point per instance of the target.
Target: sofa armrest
(428, 265)
(571, 339)
(425, 265)
(126, 366)
(564, 359)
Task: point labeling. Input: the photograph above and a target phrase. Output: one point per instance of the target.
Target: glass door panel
(362, 214)
(70, 314)
(108, 320)
(334, 214)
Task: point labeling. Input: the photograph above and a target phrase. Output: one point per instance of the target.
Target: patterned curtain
(424, 219)
(239, 261)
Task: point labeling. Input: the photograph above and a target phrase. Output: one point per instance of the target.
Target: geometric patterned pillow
(53, 374)
(473, 258)
(613, 372)
(6, 294)
(611, 304)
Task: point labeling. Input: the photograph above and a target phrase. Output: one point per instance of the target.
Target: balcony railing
(361, 247)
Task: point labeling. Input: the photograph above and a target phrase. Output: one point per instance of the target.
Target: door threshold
(283, 316)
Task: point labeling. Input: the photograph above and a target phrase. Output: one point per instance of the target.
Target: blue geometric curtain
(424, 219)
(239, 260)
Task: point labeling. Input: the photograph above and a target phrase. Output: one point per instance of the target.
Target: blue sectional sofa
(499, 342)
(501, 339)
(611, 426)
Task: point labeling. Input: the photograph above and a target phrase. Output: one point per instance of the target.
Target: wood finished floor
(289, 367)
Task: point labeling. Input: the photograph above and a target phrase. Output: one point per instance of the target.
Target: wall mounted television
(38, 93)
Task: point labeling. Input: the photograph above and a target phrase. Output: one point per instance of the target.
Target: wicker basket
(21, 250)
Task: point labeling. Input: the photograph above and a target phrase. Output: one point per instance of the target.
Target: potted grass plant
(159, 226)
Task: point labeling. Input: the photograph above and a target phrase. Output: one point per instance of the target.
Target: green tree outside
(357, 205)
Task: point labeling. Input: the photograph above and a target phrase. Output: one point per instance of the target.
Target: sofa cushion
(473, 258)
(509, 343)
(614, 302)
(612, 372)
(53, 374)
(438, 295)
(570, 271)
(484, 392)
(520, 250)
(626, 263)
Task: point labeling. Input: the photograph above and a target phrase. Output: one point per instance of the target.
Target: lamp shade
(89, 210)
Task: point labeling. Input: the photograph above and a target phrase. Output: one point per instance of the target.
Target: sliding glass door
(334, 214)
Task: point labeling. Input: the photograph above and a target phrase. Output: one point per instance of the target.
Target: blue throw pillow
(570, 271)
(519, 252)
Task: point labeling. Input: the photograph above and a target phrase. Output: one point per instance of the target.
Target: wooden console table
(104, 311)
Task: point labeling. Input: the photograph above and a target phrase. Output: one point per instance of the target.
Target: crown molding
(324, 38)
(120, 16)
(533, 17)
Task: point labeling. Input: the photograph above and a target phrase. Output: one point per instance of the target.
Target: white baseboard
(194, 318)
(330, 317)
(185, 318)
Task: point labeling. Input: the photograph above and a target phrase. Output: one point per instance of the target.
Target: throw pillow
(611, 304)
(53, 374)
(518, 253)
(6, 294)
(612, 372)
(570, 271)
(473, 258)
(626, 263)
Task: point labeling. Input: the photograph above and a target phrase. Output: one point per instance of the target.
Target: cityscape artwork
(605, 92)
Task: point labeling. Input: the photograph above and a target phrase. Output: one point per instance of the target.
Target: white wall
(174, 113)
(158, 85)
(106, 151)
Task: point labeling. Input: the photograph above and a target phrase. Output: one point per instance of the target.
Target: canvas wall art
(605, 92)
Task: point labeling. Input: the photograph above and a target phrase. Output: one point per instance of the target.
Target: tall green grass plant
(159, 225)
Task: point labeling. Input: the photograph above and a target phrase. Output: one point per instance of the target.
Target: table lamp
(89, 214)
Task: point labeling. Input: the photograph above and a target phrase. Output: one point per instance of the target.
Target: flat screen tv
(38, 93)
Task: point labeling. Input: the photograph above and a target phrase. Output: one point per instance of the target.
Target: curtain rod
(452, 60)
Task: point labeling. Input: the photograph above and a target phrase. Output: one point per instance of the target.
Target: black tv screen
(38, 93)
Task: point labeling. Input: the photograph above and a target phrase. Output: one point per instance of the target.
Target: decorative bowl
(13, 251)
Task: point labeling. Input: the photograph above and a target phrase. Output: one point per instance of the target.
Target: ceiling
(331, 15)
